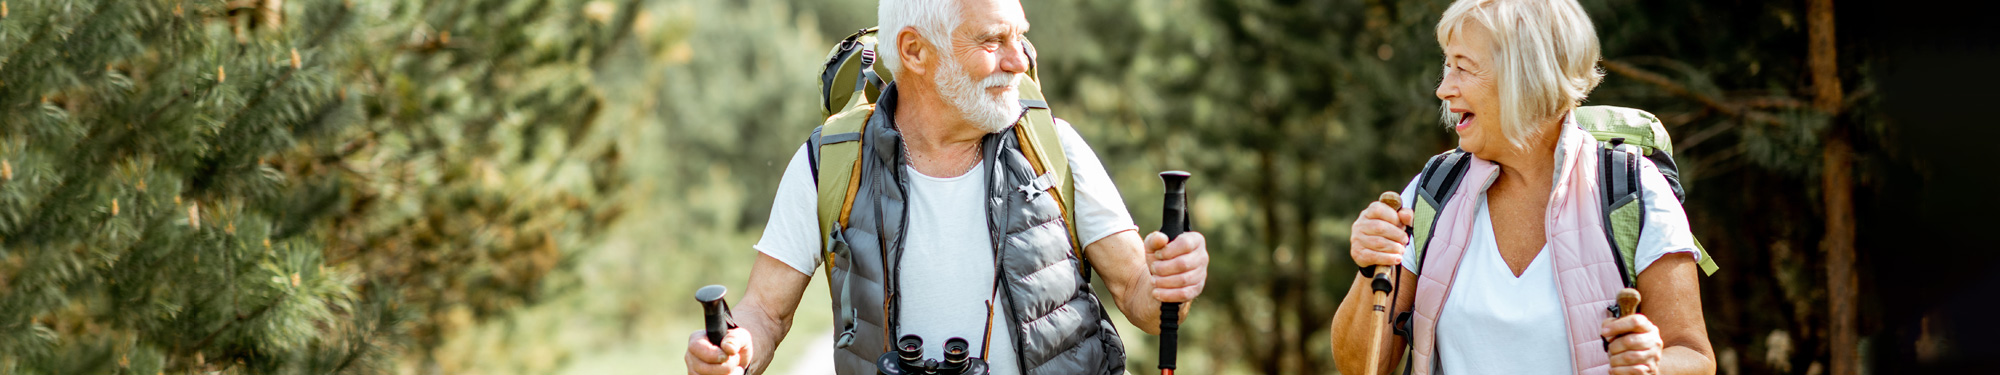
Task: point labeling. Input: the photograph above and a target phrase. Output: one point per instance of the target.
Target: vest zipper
(893, 254)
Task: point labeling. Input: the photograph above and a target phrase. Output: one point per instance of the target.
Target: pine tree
(288, 187)
(141, 213)
(499, 170)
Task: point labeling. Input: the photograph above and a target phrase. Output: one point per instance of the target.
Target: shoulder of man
(1082, 159)
(1072, 142)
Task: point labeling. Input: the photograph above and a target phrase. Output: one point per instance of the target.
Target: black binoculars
(908, 359)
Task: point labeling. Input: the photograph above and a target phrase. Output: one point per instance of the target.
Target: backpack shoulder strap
(1435, 187)
(1618, 178)
(836, 145)
(1440, 180)
(1042, 145)
(835, 158)
(1624, 208)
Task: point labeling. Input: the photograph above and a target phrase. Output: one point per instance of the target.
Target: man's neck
(929, 124)
(938, 139)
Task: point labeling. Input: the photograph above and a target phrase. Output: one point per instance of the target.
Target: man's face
(980, 76)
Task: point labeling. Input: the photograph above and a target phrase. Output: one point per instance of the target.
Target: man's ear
(913, 51)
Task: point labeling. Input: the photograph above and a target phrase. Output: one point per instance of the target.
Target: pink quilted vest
(1586, 277)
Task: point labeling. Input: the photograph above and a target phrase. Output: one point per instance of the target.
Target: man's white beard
(989, 113)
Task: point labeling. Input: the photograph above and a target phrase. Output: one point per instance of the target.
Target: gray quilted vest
(1059, 326)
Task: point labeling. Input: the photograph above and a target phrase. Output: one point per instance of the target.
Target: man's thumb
(732, 344)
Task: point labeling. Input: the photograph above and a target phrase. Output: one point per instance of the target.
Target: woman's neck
(1532, 166)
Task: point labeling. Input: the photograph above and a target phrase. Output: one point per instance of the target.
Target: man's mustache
(1003, 79)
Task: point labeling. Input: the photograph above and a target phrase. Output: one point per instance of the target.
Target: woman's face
(1471, 89)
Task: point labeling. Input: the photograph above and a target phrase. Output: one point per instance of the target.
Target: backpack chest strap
(1038, 186)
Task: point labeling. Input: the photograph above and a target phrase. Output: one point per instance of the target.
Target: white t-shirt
(1489, 306)
(947, 296)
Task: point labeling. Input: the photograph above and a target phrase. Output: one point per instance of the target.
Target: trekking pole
(1383, 286)
(1174, 220)
(715, 311)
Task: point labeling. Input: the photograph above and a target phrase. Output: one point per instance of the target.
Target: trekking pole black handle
(1174, 220)
(715, 312)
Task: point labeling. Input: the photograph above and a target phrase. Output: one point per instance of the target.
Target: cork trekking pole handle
(1383, 283)
(1174, 221)
(1628, 302)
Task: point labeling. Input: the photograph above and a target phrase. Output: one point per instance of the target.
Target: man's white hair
(933, 19)
(1545, 55)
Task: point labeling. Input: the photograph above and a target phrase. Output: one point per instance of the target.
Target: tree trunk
(1275, 347)
(1837, 189)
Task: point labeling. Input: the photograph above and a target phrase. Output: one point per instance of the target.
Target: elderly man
(959, 262)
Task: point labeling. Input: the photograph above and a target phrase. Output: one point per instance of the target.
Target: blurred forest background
(538, 186)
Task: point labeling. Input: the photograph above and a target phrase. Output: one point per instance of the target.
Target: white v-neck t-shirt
(1495, 323)
(947, 274)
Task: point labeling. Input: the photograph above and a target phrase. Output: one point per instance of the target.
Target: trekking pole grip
(1381, 274)
(1383, 285)
(1628, 302)
(715, 312)
(1174, 221)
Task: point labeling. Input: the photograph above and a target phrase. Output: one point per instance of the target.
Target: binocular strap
(986, 340)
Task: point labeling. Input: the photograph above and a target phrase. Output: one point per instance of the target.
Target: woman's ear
(913, 52)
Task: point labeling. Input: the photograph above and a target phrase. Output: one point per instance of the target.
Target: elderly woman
(1517, 273)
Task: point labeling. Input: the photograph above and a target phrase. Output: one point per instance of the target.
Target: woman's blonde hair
(1545, 55)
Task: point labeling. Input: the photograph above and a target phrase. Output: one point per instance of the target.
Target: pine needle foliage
(305, 186)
